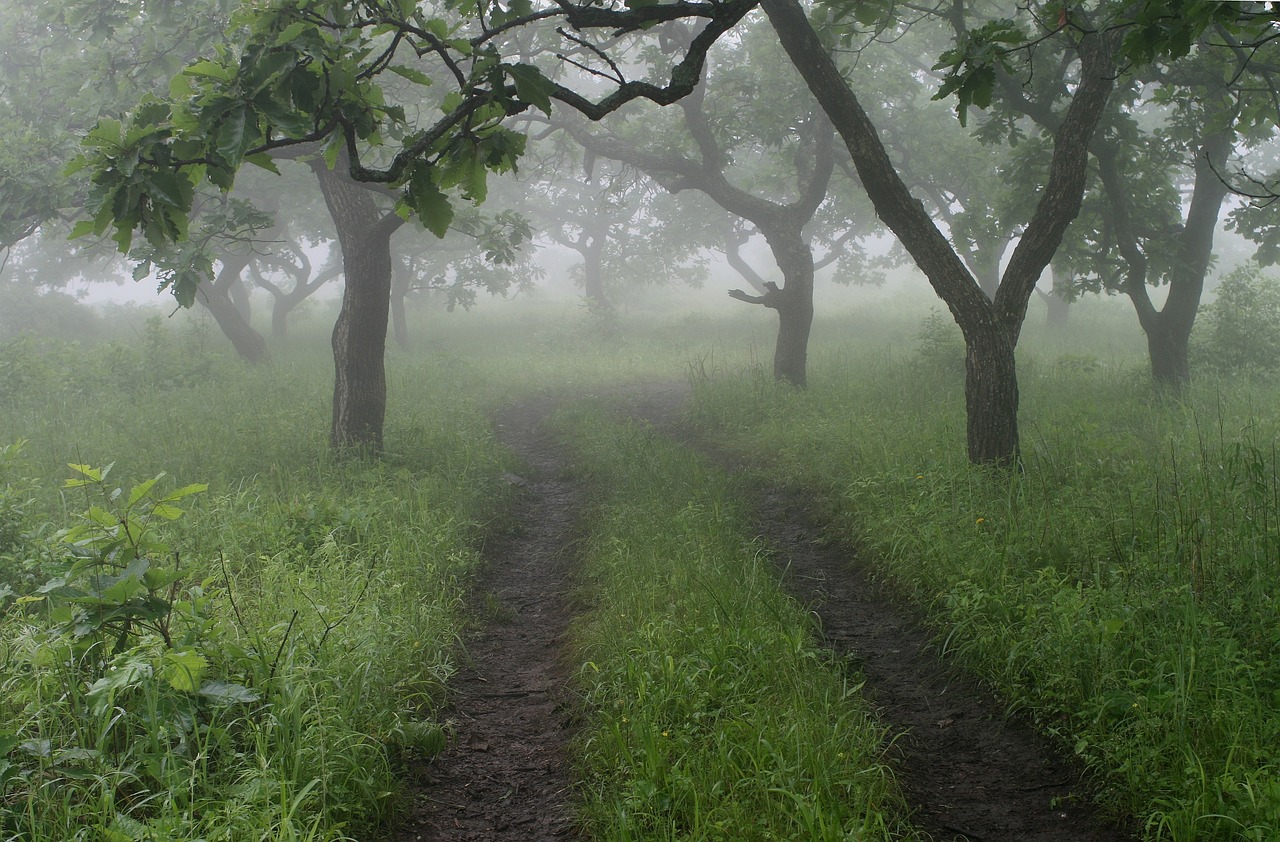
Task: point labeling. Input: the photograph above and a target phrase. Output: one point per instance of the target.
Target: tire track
(506, 774)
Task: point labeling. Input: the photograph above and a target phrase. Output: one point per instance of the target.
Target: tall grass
(310, 637)
(711, 713)
(1120, 590)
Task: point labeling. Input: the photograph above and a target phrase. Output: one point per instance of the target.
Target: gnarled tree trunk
(360, 333)
(216, 298)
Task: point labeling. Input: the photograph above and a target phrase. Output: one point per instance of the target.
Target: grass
(1120, 591)
(308, 643)
(711, 712)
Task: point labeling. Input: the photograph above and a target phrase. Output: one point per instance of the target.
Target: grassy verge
(256, 665)
(711, 713)
(1121, 591)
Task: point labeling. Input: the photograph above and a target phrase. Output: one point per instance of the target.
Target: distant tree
(628, 231)
(63, 66)
(721, 148)
(990, 326)
(1161, 160)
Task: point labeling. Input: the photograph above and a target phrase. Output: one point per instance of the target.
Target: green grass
(326, 595)
(711, 713)
(1120, 591)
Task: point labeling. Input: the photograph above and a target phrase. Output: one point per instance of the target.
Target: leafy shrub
(1240, 330)
(115, 686)
(15, 562)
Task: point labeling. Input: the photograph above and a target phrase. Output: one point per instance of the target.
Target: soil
(506, 773)
(968, 771)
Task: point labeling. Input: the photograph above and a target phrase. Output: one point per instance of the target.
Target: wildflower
(981, 520)
(666, 733)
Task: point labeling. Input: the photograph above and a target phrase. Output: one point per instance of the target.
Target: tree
(1161, 158)
(990, 326)
(47, 52)
(628, 231)
(722, 124)
(311, 72)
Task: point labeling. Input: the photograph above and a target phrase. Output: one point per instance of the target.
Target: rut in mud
(968, 773)
(506, 774)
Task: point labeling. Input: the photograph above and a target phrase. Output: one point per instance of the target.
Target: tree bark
(794, 303)
(360, 333)
(1057, 304)
(593, 270)
(215, 298)
(238, 292)
(781, 224)
(991, 398)
(990, 326)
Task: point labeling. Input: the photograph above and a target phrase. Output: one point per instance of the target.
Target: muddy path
(967, 770)
(506, 774)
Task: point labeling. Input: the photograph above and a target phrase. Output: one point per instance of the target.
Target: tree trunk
(280, 309)
(360, 333)
(593, 271)
(247, 342)
(1169, 347)
(990, 326)
(794, 303)
(1168, 330)
(991, 399)
(238, 292)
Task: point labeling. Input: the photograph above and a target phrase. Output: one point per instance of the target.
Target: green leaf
(142, 489)
(428, 202)
(227, 693)
(84, 228)
(233, 135)
(185, 491)
(209, 70)
(161, 577)
(292, 31)
(263, 161)
(94, 474)
(183, 670)
(165, 511)
(415, 76)
(531, 86)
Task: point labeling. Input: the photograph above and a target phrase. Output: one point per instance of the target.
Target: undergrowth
(254, 660)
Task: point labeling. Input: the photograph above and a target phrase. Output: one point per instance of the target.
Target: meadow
(262, 658)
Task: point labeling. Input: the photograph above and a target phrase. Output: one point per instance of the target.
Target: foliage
(1240, 330)
(940, 345)
(320, 72)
